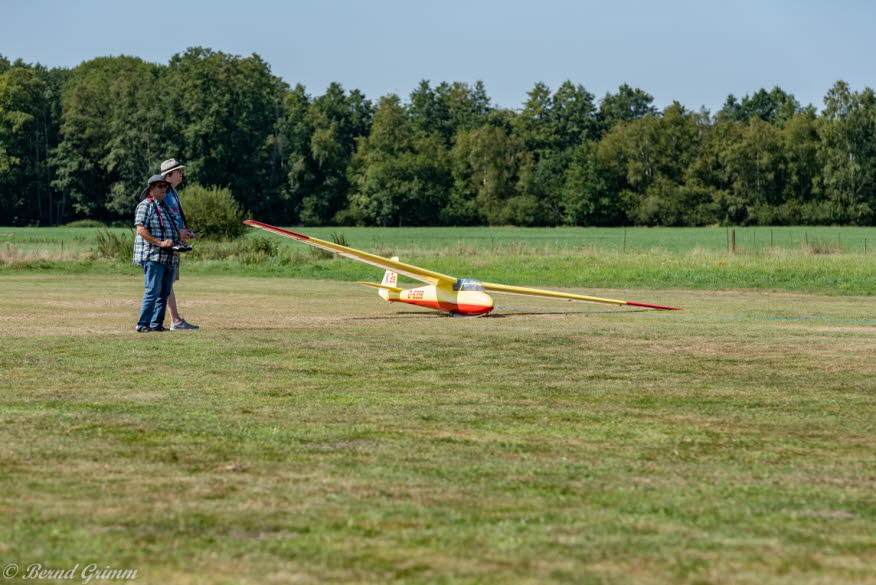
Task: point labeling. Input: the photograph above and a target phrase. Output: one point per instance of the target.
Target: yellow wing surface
(536, 292)
(415, 272)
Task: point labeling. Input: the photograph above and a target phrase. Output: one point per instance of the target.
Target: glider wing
(415, 272)
(535, 292)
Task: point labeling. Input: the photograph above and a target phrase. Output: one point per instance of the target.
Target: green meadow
(513, 239)
(830, 260)
(312, 433)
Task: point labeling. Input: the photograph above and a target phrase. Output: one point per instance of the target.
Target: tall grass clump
(255, 250)
(8, 253)
(114, 246)
(213, 213)
(822, 246)
(335, 237)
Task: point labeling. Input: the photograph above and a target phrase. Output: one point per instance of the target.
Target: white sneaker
(183, 324)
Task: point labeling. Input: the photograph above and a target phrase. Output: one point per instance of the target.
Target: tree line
(79, 143)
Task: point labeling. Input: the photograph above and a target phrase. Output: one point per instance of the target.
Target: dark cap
(152, 180)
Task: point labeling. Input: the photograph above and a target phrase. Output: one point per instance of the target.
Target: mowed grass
(311, 433)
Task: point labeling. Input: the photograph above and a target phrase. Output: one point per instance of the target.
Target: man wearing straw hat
(174, 172)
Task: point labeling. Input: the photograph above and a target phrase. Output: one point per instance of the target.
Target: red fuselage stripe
(450, 307)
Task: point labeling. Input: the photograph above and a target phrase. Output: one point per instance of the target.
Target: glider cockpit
(468, 284)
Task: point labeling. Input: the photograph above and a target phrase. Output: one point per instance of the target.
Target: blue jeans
(159, 281)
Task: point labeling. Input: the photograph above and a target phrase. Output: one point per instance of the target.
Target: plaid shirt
(162, 226)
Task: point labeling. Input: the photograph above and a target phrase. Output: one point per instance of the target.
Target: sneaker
(159, 328)
(183, 324)
(143, 329)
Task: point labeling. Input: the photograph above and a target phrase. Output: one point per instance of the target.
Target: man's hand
(144, 233)
(187, 234)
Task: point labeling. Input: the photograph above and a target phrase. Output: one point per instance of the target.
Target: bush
(212, 213)
(519, 210)
(668, 204)
(86, 223)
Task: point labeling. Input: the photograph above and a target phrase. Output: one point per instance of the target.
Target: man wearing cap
(173, 172)
(153, 250)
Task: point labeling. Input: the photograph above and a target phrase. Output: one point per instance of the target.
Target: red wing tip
(654, 306)
(258, 224)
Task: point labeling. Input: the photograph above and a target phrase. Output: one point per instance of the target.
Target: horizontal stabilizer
(383, 286)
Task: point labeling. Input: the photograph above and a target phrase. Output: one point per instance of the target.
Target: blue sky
(693, 52)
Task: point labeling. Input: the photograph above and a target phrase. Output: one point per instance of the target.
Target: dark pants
(159, 281)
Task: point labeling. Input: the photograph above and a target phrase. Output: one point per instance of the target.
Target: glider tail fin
(390, 279)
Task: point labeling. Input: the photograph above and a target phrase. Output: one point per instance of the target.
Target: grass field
(825, 260)
(504, 240)
(311, 433)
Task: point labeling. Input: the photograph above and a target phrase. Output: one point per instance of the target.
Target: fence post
(733, 241)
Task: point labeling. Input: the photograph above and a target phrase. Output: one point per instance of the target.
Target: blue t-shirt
(172, 201)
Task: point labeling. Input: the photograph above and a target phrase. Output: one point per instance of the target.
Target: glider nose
(474, 303)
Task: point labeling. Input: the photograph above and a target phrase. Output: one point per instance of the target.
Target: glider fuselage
(468, 303)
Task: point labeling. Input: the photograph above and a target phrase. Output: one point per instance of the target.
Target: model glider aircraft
(456, 296)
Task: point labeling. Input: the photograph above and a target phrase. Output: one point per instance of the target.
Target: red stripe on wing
(654, 306)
